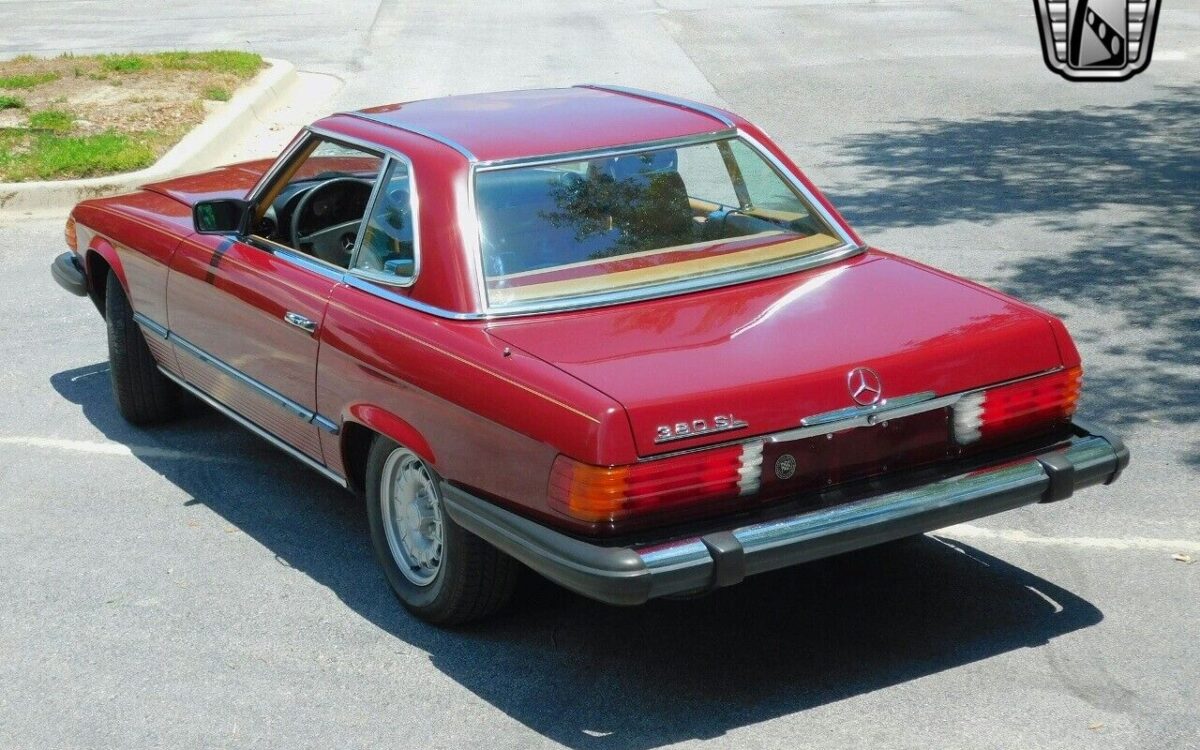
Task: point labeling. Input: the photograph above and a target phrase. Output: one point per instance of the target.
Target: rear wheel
(143, 394)
(439, 571)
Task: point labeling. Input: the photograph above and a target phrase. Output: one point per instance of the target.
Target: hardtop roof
(539, 122)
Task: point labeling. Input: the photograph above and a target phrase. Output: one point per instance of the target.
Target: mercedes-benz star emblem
(865, 386)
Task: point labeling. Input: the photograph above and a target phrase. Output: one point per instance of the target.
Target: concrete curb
(196, 151)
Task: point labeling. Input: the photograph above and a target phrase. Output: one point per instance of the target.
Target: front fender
(100, 253)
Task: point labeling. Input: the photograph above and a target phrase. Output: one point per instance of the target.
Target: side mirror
(221, 216)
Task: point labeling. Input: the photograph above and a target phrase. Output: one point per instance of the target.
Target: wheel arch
(100, 258)
(365, 422)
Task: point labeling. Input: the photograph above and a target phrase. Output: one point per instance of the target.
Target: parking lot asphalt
(188, 586)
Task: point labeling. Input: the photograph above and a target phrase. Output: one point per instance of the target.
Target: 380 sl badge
(698, 427)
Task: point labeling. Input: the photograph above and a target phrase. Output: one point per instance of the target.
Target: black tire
(143, 394)
(473, 579)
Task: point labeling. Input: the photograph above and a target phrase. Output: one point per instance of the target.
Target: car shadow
(587, 675)
(1115, 192)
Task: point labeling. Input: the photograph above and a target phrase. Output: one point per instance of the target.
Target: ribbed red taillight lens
(1025, 406)
(611, 493)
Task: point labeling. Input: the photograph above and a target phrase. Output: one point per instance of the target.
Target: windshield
(628, 221)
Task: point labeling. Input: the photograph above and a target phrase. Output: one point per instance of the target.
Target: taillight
(1025, 406)
(610, 493)
(69, 233)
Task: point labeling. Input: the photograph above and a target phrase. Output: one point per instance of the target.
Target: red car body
(499, 405)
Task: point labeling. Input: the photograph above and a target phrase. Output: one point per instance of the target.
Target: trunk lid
(772, 352)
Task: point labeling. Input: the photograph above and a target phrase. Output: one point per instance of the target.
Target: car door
(245, 312)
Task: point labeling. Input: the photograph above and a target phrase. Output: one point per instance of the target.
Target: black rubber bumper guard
(633, 575)
(68, 272)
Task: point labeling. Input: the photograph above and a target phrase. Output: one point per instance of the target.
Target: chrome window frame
(414, 203)
(468, 220)
(846, 249)
(388, 156)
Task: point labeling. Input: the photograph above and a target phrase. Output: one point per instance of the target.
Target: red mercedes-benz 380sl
(612, 335)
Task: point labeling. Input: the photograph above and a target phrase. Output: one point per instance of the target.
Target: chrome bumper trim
(809, 536)
(632, 575)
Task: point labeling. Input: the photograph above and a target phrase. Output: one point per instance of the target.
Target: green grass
(27, 80)
(11, 102)
(52, 119)
(49, 157)
(241, 64)
(217, 94)
(125, 63)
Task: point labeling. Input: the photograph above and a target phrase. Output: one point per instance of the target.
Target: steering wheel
(332, 244)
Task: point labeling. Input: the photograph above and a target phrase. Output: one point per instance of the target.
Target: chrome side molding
(298, 410)
(260, 432)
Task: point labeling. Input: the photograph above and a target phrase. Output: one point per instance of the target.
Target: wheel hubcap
(412, 516)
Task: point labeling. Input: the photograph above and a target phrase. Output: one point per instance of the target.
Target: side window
(389, 238)
(765, 188)
(704, 173)
(318, 205)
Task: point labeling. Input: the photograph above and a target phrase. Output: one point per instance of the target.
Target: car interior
(321, 209)
(537, 218)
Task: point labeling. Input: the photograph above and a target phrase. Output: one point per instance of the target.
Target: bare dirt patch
(72, 116)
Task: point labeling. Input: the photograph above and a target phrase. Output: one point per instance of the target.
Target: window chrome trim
(268, 178)
(636, 147)
(260, 432)
(795, 182)
(469, 228)
(847, 249)
(679, 286)
(312, 263)
(439, 138)
(414, 202)
(384, 166)
(297, 258)
(223, 367)
(674, 101)
(373, 287)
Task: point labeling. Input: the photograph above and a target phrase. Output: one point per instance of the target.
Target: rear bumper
(633, 575)
(69, 274)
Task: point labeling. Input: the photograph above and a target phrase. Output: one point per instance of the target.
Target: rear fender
(389, 425)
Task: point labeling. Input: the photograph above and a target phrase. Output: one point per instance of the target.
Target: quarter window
(388, 242)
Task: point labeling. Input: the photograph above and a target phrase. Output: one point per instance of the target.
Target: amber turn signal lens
(610, 493)
(69, 234)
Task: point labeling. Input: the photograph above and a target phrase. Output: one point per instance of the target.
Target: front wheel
(439, 571)
(143, 394)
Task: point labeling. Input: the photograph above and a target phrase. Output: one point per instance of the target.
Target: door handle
(301, 322)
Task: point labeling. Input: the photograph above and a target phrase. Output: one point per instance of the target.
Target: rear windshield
(638, 220)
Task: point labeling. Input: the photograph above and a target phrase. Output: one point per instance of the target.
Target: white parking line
(967, 531)
(111, 449)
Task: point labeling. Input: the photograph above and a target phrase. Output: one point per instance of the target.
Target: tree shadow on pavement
(1116, 191)
(592, 676)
